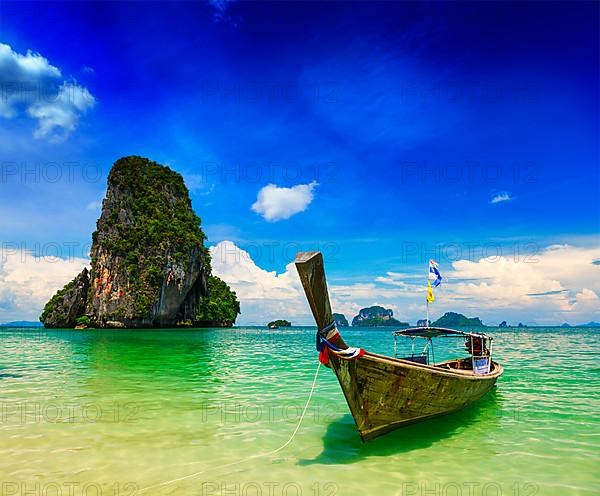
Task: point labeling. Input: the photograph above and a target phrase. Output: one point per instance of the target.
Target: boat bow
(384, 393)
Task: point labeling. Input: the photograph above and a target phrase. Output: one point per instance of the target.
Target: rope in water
(261, 455)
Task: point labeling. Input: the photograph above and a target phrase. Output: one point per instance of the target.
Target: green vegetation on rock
(340, 320)
(377, 316)
(279, 323)
(453, 319)
(148, 207)
(83, 320)
(220, 305)
(68, 304)
(52, 304)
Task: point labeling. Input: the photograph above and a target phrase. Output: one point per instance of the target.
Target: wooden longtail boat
(383, 392)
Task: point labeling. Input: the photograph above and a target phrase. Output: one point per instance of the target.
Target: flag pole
(427, 299)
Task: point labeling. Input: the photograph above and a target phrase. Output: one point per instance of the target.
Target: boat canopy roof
(436, 332)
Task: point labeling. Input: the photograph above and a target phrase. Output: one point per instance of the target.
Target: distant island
(453, 319)
(149, 265)
(22, 323)
(279, 323)
(505, 324)
(589, 324)
(376, 316)
(340, 320)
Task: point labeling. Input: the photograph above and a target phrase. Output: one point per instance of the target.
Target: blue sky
(439, 130)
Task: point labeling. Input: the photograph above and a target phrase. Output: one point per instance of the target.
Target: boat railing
(480, 359)
(422, 357)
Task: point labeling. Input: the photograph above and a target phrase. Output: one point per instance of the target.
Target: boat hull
(384, 393)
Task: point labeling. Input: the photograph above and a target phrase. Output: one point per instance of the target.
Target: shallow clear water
(122, 412)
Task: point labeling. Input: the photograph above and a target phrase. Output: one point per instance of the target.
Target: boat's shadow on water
(342, 443)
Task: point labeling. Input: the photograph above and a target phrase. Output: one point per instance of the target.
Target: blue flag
(434, 273)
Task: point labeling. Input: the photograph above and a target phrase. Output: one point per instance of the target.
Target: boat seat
(417, 359)
(452, 365)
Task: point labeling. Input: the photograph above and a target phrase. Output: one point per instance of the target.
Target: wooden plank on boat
(385, 394)
(312, 274)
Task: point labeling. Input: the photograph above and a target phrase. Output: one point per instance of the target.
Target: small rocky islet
(279, 323)
(149, 265)
(340, 320)
(376, 316)
(453, 319)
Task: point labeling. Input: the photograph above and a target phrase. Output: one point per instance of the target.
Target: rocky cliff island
(453, 319)
(377, 316)
(149, 266)
(340, 320)
(274, 324)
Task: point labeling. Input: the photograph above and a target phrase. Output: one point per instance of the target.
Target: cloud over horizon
(562, 285)
(504, 289)
(28, 281)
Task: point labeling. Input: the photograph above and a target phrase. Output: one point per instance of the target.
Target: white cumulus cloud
(31, 86)
(275, 203)
(27, 282)
(264, 295)
(501, 197)
(558, 283)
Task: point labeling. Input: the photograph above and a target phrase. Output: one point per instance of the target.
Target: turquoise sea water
(125, 412)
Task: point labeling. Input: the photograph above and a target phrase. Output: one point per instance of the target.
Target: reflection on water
(342, 445)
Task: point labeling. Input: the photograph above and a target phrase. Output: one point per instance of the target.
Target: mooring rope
(254, 457)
